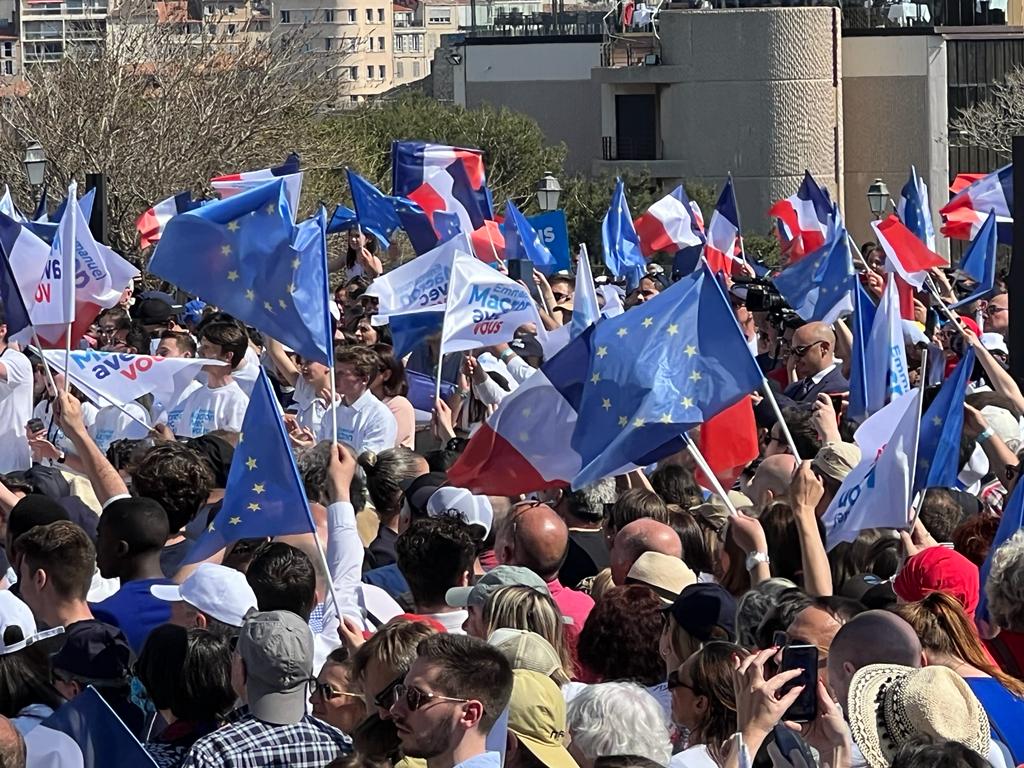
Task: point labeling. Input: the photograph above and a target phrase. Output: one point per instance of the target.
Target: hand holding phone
(804, 658)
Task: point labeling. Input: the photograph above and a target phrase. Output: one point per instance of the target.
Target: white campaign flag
(112, 377)
(292, 186)
(886, 357)
(484, 307)
(421, 284)
(876, 494)
(54, 295)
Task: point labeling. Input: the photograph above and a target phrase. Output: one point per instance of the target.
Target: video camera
(763, 296)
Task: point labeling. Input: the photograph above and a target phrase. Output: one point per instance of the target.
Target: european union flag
(863, 318)
(622, 254)
(342, 220)
(938, 441)
(657, 371)
(12, 237)
(1011, 521)
(100, 737)
(979, 261)
(375, 210)
(246, 256)
(523, 242)
(264, 495)
(819, 286)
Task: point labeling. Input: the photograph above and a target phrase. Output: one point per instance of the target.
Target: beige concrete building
(418, 27)
(48, 28)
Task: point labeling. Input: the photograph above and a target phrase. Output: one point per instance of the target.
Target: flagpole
(917, 427)
(712, 478)
(334, 406)
(437, 384)
(46, 365)
(782, 422)
(67, 357)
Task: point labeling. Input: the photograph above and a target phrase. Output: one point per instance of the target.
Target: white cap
(216, 590)
(994, 342)
(474, 510)
(14, 611)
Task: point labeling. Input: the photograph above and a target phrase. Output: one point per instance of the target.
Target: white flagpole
(782, 422)
(333, 406)
(706, 468)
(917, 426)
(46, 365)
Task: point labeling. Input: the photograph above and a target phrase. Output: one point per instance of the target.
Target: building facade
(418, 28)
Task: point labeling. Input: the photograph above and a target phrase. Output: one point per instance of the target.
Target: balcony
(519, 24)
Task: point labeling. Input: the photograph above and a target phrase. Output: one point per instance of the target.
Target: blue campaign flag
(246, 256)
(979, 261)
(863, 320)
(655, 372)
(421, 390)
(585, 309)
(264, 495)
(1011, 521)
(13, 238)
(554, 233)
(523, 242)
(408, 330)
(938, 441)
(375, 210)
(342, 220)
(622, 254)
(819, 286)
(914, 210)
(100, 739)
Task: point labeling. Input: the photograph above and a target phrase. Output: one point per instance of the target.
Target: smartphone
(35, 425)
(521, 269)
(804, 658)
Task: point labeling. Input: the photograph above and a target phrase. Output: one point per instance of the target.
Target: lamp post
(548, 191)
(878, 198)
(35, 164)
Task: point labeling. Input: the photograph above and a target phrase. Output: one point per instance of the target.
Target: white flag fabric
(420, 284)
(886, 357)
(292, 187)
(484, 307)
(54, 295)
(112, 377)
(876, 494)
(874, 433)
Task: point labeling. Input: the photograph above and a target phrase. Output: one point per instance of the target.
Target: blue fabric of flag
(979, 261)
(622, 254)
(938, 441)
(863, 319)
(523, 242)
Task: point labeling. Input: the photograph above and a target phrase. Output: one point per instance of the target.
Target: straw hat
(889, 704)
(836, 460)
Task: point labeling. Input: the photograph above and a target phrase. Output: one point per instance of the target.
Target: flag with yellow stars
(619, 396)
(264, 495)
(245, 255)
(820, 286)
(938, 442)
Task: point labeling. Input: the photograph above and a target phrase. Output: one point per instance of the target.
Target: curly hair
(1005, 585)
(973, 537)
(611, 719)
(177, 477)
(433, 555)
(619, 640)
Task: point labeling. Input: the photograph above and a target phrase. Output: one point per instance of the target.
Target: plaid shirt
(251, 743)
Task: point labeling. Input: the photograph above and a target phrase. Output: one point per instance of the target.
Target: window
(8, 50)
(415, 69)
(369, 41)
(327, 43)
(398, 44)
(232, 28)
(352, 16)
(369, 15)
(349, 44)
(329, 15)
(231, 9)
(208, 10)
(369, 73)
(380, 72)
(286, 17)
(353, 73)
(380, 43)
(306, 17)
(353, 99)
(416, 43)
(399, 69)
(439, 16)
(380, 15)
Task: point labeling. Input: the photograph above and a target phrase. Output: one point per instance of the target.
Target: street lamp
(878, 198)
(35, 164)
(548, 190)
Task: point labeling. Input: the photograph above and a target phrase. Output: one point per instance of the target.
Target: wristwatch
(755, 557)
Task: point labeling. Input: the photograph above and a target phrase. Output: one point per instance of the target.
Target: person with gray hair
(388, 473)
(583, 512)
(754, 606)
(616, 719)
(312, 462)
(1005, 585)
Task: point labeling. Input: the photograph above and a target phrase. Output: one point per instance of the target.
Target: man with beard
(451, 697)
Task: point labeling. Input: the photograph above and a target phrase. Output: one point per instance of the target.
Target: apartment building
(418, 30)
(47, 29)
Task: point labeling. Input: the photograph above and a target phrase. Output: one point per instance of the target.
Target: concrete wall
(895, 116)
(548, 81)
(757, 92)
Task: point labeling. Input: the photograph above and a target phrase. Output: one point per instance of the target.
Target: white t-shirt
(366, 425)
(111, 424)
(15, 411)
(208, 409)
(694, 757)
(309, 408)
(247, 373)
(159, 411)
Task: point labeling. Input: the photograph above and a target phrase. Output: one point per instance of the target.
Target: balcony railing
(517, 24)
(629, 148)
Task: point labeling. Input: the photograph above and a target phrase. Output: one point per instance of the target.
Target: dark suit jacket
(833, 383)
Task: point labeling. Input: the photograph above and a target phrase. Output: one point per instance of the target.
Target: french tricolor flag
(806, 216)
(236, 183)
(669, 225)
(151, 223)
(723, 233)
(905, 253)
(412, 163)
(964, 214)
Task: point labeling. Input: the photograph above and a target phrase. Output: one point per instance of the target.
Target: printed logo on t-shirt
(202, 422)
(346, 435)
(173, 418)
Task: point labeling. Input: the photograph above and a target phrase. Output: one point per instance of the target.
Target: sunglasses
(328, 692)
(386, 698)
(801, 351)
(675, 681)
(414, 698)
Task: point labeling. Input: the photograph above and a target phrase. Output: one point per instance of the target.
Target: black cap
(94, 651)
(419, 490)
(526, 345)
(217, 453)
(153, 312)
(873, 592)
(702, 607)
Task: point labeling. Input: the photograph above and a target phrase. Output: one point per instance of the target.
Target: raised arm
(106, 482)
(284, 364)
(806, 491)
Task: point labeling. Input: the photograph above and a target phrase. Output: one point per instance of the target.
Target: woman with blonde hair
(948, 639)
(527, 608)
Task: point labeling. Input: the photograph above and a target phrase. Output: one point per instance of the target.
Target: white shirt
(112, 424)
(160, 409)
(452, 620)
(310, 408)
(208, 409)
(247, 372)
(694, 757)
(366, 425)
(15, 411)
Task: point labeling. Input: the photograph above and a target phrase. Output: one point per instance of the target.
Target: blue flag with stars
(820, 285)
(375, 210)
(622, 254)
(342, 220)
(979, 261)
(523, 242)
(245, 255)
(264, 495)
(938, 442)
(656, 372)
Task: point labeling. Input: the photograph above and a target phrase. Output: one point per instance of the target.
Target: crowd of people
(632, 623)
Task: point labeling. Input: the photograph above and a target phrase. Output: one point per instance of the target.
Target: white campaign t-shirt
(160, 410)
(208, 409)
(15, 411)
(247, 373)
(366, 425)
(308, 405)
(111, 424)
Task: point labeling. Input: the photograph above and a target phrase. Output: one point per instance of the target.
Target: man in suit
(812, 348)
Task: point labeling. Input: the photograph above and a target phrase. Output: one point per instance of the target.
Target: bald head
(535, 538)
(641, 536)
(872, 637)
(807, 334)
(771, 479)
(817, 342)
(12, 745)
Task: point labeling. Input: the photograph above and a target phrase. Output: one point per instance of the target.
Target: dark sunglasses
(801, 351)
(328, 692)
(386, 698)
(674, 681)
(415, 698)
